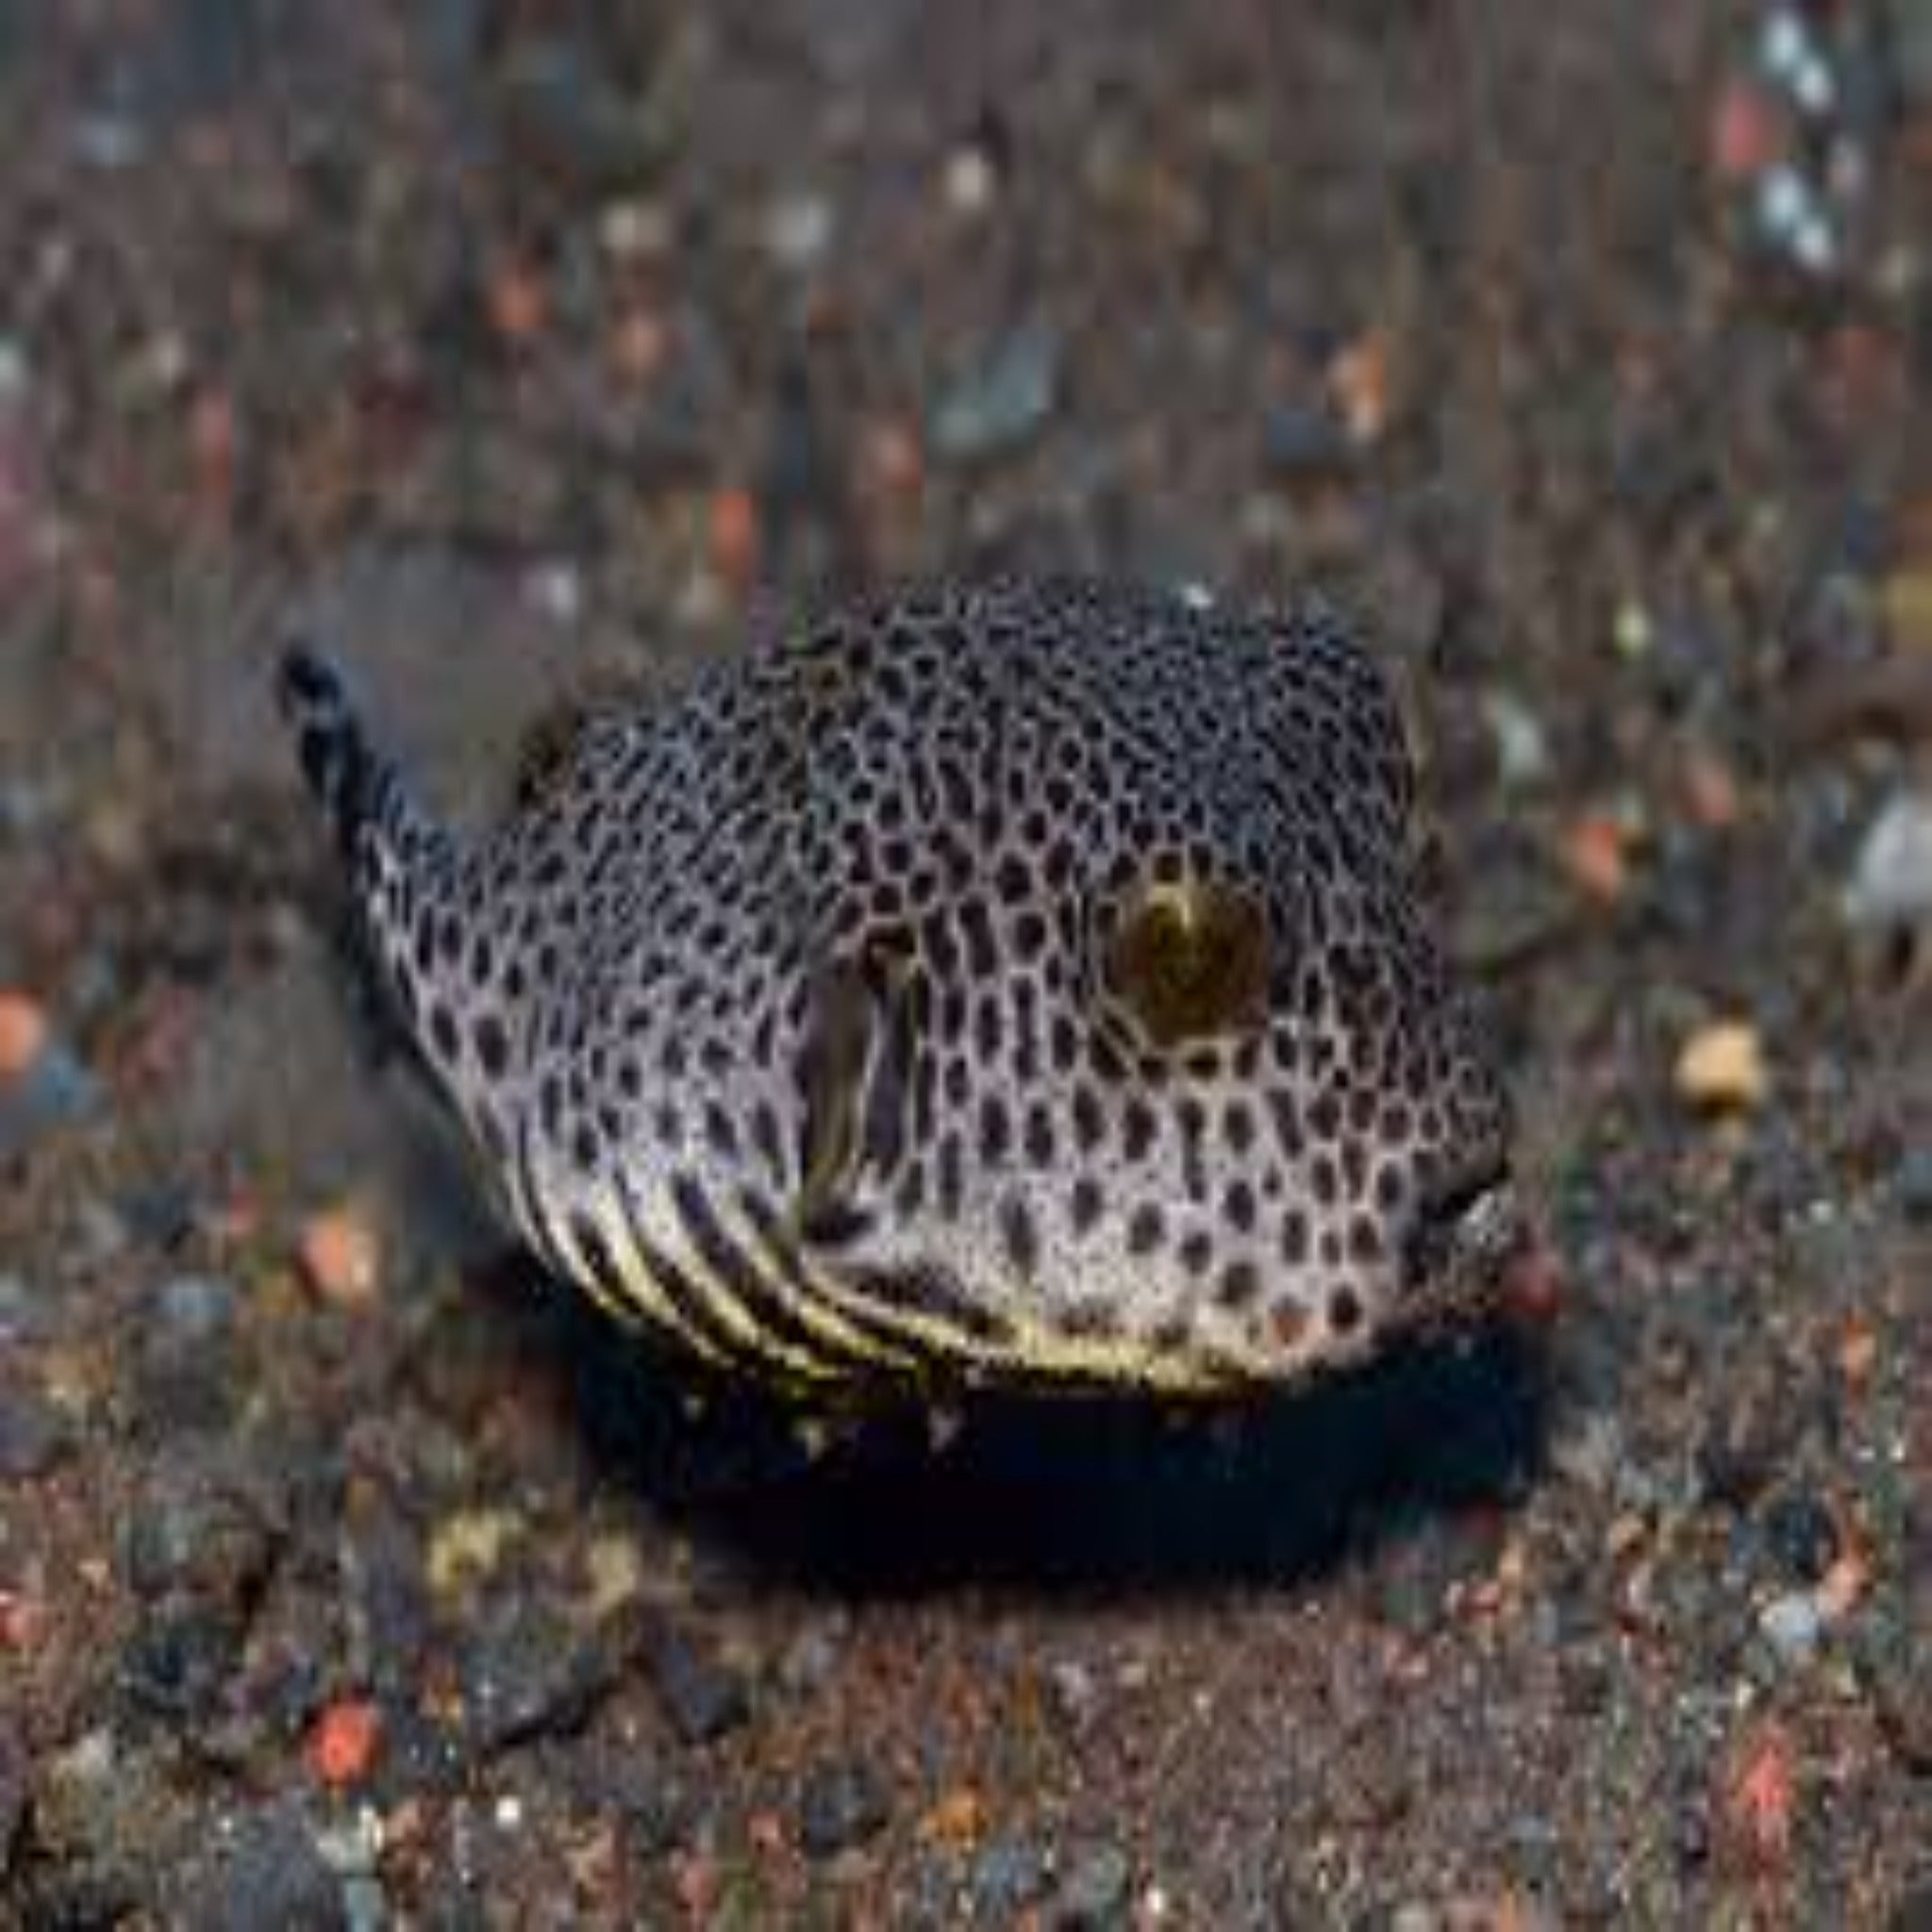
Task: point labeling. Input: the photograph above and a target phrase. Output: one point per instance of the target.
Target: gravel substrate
(348, 1576)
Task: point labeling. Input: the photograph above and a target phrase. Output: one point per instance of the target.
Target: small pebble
(1912, 1182)
(1076, 1695)
(798, 230)
(267, 1870)
(24, 1033)
(16, 1309)
(180, 1659)
(341, 1746)
(1901, 1681)
(1721, 1068)
(996, 408)
(1359, 380)
(613, 1574)
(811, 1658)
(526, 1676)
(36, 1434)
(364, 1907)
(1758, 1799)
(1892, 876)
(842, 1805)
(466, 1547)
(733, 538)
(195, 1531)
(1304, 443)
(703, 1697)
(340, 1258)
(1008, 1875)
(50, 1089)
(1523, 747)
(1095, 1892)
(970, 180)
(518, 303)
(197, 1307)
(1746, 135)
(186, 1375)
(1793, 1625)
(1801, 1537)
(1596, 857)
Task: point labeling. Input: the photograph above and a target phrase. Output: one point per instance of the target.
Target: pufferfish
(1021, 984)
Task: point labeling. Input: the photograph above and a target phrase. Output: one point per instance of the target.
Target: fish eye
(1188, 961)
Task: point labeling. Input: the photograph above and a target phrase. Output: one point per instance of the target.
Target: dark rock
(268, 1872)
(195, 1308)
(564, 115)
(1901, 1678)
(54, 1092)
(161, 1217)
(610, 1769)
(843, 1804)
(1800, 1536)
(526, 1676)
(177, 1663)
(1008, 1875)
(34, 1435)
(811, 1658)
(1095, 1892)
(1736, 1459)
(702, 1695)
(384, 1558)
(1305, 442)
(13, 1785)
(16, 1310)
(104, 1826)
(1419, 1570)
(197, 1531)
(185, 1372)
(1911, 1183)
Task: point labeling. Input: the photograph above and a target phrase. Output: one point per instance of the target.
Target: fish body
(1020, 983)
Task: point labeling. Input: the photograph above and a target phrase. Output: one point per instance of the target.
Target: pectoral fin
(854, 1075)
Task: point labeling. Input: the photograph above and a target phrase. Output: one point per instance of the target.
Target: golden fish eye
(1190, 961)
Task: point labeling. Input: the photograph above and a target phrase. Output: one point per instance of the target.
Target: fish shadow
(1067, 1495)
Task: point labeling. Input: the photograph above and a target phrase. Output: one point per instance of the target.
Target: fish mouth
(1460, 1244)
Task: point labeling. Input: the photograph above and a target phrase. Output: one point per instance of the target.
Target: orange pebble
(23, 1033)
(958, 1819)
(23, 1620)
(1858, 1351)
(340, 1258)
(1710, 791)
(891, 460)
(1746, 137)
(1846, 1581)
(1533, 1286)
(518, 307)
(1760, 1798)
(734, 536)
(1596, 857)
(639, 345)
(1359, 380)
(342, 1745)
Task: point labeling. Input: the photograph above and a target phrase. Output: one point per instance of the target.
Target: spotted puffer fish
(1014, 984)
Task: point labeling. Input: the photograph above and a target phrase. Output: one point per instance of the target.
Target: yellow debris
(468, 1546)
(1721, 1068)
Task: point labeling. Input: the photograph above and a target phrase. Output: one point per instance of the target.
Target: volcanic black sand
(351, 1576)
